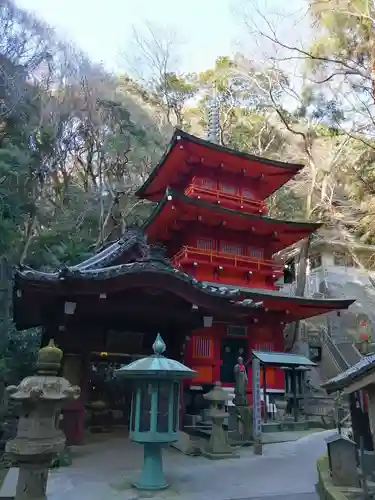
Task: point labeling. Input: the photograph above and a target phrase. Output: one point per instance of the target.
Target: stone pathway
(104, 471)
(304, 496)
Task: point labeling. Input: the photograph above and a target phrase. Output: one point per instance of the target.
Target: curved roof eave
(141, 268)
(170, 194)
(178, 133)
(259, 294)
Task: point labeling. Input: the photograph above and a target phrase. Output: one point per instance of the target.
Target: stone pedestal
(39, 438)
(240, 425)
(32, 481)
(232, 423)
(245, 424)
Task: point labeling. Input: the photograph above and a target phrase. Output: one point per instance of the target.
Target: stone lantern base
(152, 475)
(218, 446)
(27, 481)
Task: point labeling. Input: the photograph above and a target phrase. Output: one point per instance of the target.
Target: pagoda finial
(213, 132)
(159, 345)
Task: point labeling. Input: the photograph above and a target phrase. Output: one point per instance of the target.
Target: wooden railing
(237, 200)
(189, 255)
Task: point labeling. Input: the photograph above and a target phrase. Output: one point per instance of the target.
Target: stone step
(8, 488)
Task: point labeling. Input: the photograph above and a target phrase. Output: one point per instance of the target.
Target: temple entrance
(108, 404)
(230, 350)
(109, 398)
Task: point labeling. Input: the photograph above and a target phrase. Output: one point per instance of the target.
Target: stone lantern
(218, 445)
(39, 438)
(154, 419)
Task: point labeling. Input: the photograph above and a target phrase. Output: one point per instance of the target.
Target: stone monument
(218, 445)
(39, 438)
(342, 461)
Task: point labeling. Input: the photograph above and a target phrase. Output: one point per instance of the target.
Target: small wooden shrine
(212, 294)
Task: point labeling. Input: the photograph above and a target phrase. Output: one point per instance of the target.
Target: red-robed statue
(241, 383)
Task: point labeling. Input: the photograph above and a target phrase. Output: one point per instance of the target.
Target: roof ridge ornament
(159, 346)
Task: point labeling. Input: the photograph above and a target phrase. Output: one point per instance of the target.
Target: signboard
(257, 416)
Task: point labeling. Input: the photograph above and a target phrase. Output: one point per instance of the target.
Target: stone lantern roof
(45, 385)
(156, 365)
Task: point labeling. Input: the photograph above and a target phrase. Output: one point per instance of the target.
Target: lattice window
(246, 193)
(206, 244)
(231, 248)
(228, 188)
(264, 346)
(202, 347)
(257, 253)
(206, 183)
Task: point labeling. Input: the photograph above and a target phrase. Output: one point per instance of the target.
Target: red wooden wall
(203, 352)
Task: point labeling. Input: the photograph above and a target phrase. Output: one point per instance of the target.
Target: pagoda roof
(186, 151)
(292, 308)
(177, 207)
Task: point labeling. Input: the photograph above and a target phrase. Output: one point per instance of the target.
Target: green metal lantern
(154, 418)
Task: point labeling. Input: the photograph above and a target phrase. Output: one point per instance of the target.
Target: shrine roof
(131, 263)
(177, 206)
(186, 151)
(282, 359)
(365, 366)
(144, 267)
(147, 266)
(294, 306)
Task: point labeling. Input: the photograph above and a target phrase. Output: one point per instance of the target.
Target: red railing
(237, 201)
(189, 255)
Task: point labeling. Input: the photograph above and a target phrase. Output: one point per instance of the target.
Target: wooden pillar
(360, 420)
(75, 370)
(294, 390)
(265, 392)
(370, 391)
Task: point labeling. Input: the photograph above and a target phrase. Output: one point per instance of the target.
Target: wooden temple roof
(130, 277)
(129, 264)
(292, 308)
(286, 359)
(176, 212)
(357, 372)
(187, 153)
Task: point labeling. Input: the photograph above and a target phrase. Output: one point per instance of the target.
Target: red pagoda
(200, 272)
(211, 215)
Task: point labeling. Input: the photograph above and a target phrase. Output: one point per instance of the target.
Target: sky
(102, 29)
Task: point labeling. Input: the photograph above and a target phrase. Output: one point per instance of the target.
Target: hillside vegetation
(76, 142)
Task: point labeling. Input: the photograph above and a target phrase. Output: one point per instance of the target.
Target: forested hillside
(76, 142)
